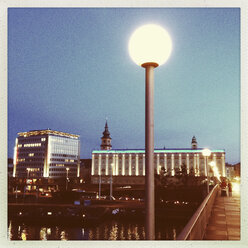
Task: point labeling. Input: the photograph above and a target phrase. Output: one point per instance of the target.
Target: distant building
(230, 171)
(85, 169)
(128, 166)
(46, 153)
(237, 170)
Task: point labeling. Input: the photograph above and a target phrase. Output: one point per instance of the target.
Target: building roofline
(171, 150)
(45, 132)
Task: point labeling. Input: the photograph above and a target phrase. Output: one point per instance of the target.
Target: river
(108, 230)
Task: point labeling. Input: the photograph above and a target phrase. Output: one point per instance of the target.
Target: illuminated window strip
(136, 165)
(158, 169)
(130, 165)
(187, 163)
(107, 166)
(172, 165)
(156, 151)
(123, 164)
(144, 164)
(15, 158)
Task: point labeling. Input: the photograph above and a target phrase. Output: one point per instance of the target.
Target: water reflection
(10, 235)
(63, 235)
(109, 230)
(43, 233)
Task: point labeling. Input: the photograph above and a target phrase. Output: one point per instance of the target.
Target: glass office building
(46, 153)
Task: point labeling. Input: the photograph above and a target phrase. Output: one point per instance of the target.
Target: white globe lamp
(150, 44)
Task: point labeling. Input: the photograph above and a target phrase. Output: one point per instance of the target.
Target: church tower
(106, 140)
(194, 143)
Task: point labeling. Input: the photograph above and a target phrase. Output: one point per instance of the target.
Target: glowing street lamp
(150, 46)
(206, 153)
(215, 170)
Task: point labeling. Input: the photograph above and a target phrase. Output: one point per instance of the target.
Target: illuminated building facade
(128, 166)
(46, 153)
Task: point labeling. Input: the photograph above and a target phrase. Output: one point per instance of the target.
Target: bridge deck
(224, 223)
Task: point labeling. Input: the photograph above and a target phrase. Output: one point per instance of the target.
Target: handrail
(202, 214)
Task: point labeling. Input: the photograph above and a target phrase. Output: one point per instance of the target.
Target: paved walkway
(224, 223)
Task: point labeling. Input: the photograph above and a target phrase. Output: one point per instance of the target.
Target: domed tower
(106, 140)
(194, 143)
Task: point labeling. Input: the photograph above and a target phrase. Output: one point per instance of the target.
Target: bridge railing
(196, 226)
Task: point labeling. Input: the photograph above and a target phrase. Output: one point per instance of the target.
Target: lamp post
(67, 170)
(111, 182)
(206, 153)
(150, 46)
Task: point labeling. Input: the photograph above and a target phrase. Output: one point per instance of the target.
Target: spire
(194, 143)
(106, 139)
(106, 133)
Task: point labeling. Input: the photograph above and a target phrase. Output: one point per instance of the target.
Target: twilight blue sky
(69, 69)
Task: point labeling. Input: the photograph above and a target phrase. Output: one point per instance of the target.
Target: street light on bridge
(150, 46)
(215, 170)
(206, 153)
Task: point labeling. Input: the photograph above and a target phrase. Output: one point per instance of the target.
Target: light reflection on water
(109, 230)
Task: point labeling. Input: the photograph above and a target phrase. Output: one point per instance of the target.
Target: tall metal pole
(111, 183)
(100, 186)
(149, 146)
(207, 174)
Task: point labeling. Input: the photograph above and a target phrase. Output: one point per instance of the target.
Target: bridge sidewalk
(224, 223)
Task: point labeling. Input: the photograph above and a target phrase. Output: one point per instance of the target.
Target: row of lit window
(32, 145)
(21, 140)
(63, 170)
(140, 160)
(69, 160)
(29, 169)
(21, 160)
(62, 155)
(33, 169)
(133, 165)
(54, 164)
(161, 156)
(63, 160)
